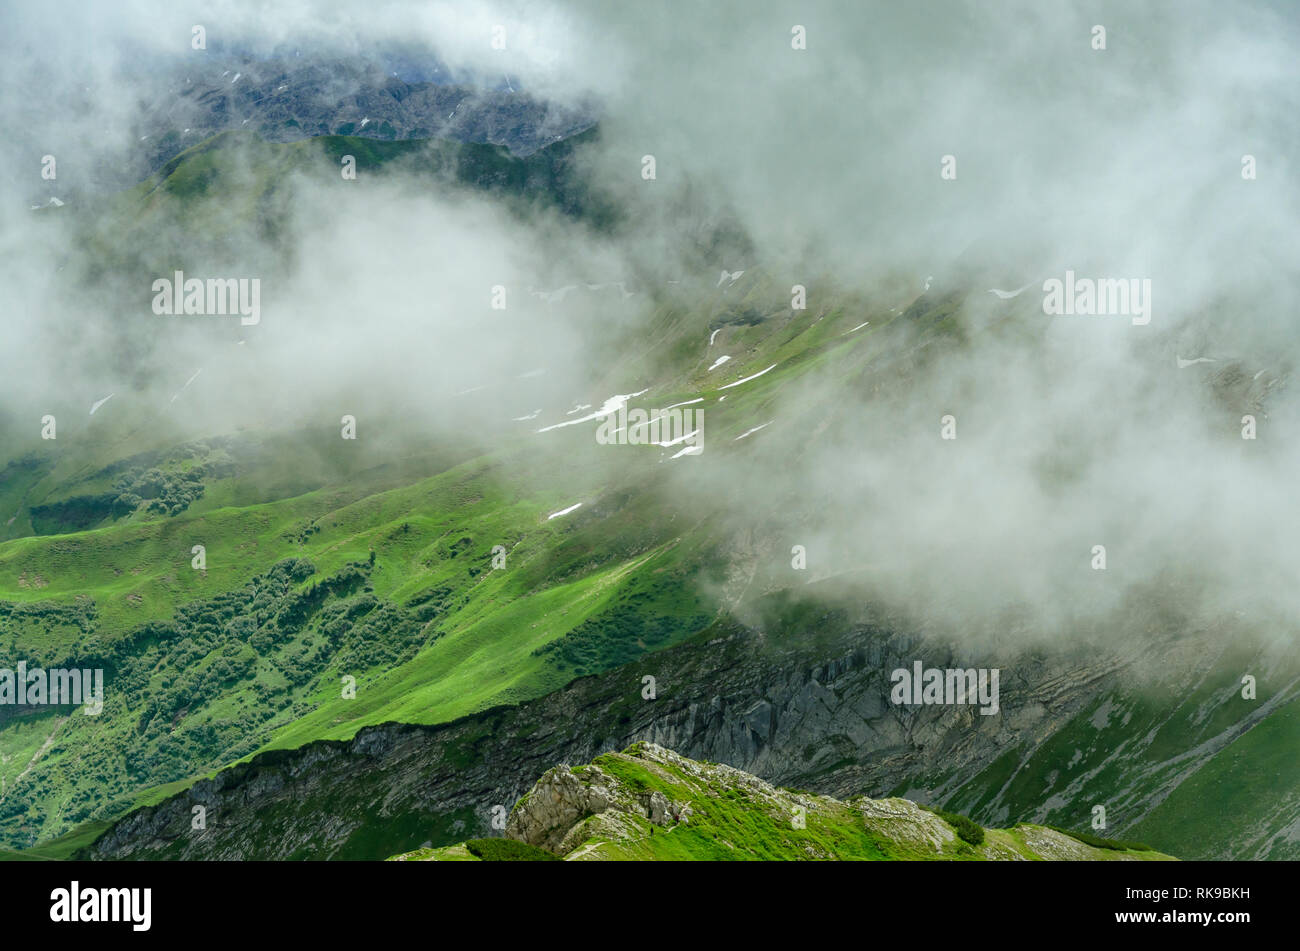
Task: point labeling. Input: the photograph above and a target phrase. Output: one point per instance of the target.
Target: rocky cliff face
(289, 98)
(817, 718)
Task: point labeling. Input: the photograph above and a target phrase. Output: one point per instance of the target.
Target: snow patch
(747, 379)
(673, 442)
(187, 383)
(571, 508)
(718, 362)
(611, 405)
(698, 399)
(754, 430)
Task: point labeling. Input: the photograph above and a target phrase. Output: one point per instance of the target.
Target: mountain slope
(649, 804)
(325, 563)
(797, 710)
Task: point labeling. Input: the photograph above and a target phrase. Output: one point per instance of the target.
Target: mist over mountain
(989, 314)
(1124, 161)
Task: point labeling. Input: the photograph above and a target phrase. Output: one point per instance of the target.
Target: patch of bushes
(508, 850)
(617, 637)
(207, 685)
(74, 514)
(1097, 842)
(967, 829)
(159, 492)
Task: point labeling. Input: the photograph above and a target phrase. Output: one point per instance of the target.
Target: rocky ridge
(650, 803)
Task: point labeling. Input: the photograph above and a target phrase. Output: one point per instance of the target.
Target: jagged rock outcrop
(650, 803)
(552, 815)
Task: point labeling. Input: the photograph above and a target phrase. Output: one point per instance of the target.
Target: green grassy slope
(1189, 766)
(1258, 770)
